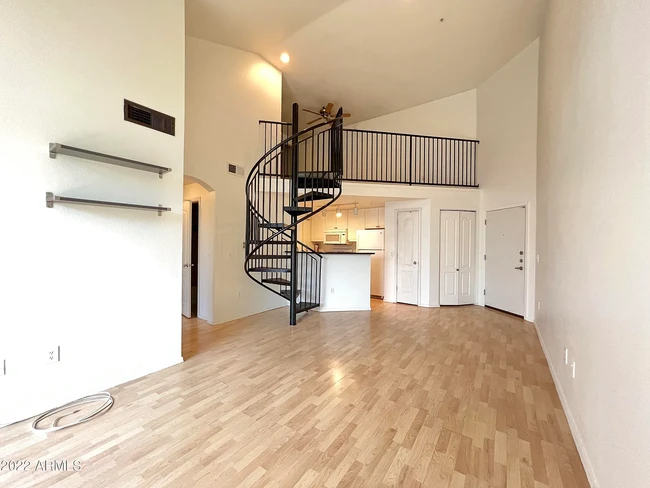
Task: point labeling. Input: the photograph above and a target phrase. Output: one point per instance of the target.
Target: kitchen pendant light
(355, 211)
(338, 212)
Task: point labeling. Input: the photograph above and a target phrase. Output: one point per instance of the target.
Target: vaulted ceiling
(373, 57)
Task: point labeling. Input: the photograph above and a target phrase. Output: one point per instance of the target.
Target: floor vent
(233, 169)
(147, 117)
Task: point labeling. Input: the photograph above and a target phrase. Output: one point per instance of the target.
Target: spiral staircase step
(276, 281)
(269, 269)
(313, 195)
(298, 210)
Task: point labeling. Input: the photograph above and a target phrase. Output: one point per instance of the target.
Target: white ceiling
(251, 25)
(373, 56)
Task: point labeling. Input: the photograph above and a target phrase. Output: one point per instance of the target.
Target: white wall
(593, 198)
(345, 284)
(227, 92)
(102, 283)
(207, 225)
(453, 116)
(507, 165)
(430, 200)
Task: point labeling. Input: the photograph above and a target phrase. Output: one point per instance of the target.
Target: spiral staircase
(283, 189)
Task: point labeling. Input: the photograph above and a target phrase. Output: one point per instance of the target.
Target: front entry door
(408, 256)
(505, 260)
(187, 259)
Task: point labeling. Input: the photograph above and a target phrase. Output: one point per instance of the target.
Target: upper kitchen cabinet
(355, 223)
(317, 227)
(375, 218)
(332, 222)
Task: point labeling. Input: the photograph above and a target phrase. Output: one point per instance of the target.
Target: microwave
(336, 237)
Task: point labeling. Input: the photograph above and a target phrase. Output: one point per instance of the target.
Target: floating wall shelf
(51, 199)
(56, 148)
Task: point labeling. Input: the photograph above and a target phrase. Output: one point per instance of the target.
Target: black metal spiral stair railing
(281, 191)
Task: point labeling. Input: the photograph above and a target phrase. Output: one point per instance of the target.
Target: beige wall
(593, 228)
(507, 165)
(453, 116)
(227, 92)
(98, 282)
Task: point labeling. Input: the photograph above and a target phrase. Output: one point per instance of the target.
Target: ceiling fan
(324, 113)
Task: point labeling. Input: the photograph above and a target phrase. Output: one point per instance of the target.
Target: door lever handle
(520, 268)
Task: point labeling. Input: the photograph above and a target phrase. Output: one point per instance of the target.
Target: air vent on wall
(233, 169)
(147, 117)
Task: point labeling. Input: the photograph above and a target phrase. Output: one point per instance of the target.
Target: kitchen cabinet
(332, 222)
(375, 218)
(355, 223)
(317, 227)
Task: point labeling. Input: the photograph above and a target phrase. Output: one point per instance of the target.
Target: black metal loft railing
(388, 157)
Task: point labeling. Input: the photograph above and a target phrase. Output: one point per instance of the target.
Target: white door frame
(198, 264)
(526, 208)
(419, 239)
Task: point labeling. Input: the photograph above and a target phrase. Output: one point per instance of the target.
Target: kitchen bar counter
(344, 252)
(345, 284)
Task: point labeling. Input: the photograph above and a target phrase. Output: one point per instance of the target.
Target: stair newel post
(294, 218)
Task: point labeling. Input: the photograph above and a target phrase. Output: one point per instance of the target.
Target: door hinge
(483, 292)
(484, 257)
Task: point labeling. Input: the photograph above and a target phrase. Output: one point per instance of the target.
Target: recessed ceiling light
(285, 58)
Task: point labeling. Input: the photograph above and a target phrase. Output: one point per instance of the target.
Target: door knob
(457, 269)
(520, 268)
(186, 266)
(415, 262)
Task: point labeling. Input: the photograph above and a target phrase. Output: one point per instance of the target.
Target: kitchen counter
(344, 252)
(345, 282)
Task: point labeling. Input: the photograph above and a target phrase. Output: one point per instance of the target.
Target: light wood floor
(400, 396)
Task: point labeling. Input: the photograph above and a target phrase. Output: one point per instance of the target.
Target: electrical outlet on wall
(53, 355)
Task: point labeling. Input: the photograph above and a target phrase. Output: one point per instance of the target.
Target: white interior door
(467, 258)
(449, 258)
(187, 259)
(457, 257)
(408, 256)
(505, 260)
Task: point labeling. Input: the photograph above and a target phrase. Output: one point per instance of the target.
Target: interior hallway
(400, 396)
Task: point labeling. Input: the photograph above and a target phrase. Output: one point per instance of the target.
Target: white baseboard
(582, 451)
